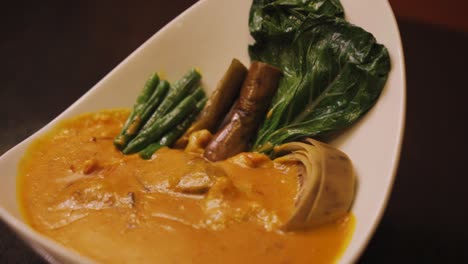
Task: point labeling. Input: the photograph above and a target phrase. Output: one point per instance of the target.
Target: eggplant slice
(247, 113)
(220, 102)
(327, 184)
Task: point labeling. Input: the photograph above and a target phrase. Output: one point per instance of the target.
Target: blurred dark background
(52, 52)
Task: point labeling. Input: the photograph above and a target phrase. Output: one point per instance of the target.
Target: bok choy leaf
(333, 71)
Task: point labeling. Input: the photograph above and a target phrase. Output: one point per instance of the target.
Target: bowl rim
(400, 135)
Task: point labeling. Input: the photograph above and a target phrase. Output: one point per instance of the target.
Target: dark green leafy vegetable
(169, 138)
(280, 18)
(139, 106)
(333, 71)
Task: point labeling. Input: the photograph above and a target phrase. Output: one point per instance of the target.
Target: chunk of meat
(90, 166)
(198, 141)
(194, 183)
(201, 177)
(250, 160)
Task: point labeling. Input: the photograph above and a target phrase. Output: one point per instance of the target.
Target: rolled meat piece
(247, 113)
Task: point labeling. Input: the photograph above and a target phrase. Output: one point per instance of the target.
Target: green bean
(161, 126)
(172, 136)
(198, 94)
(148, 152)
(144, 96)
(179, 90)
(150, 107)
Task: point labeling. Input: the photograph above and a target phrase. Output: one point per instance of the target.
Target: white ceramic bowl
(192, 39)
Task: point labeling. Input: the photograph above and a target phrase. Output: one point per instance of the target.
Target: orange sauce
(76, 188)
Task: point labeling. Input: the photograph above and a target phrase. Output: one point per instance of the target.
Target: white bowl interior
(208, 36)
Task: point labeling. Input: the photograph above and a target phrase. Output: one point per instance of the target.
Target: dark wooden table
(50, 54)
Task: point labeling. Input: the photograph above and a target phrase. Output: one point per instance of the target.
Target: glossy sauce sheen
(76, 188)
